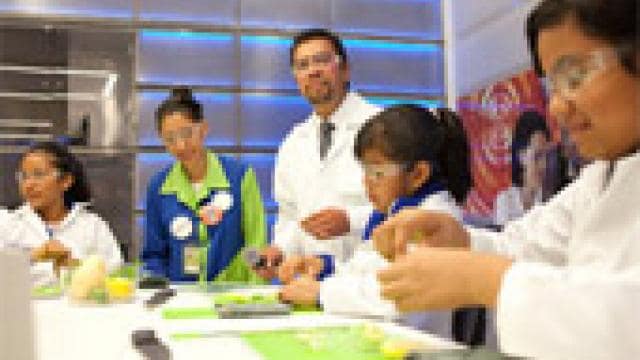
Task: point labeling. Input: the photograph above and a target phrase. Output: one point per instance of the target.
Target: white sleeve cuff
(482, 240)
(358, 217)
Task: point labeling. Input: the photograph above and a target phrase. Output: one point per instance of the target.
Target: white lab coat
(573, 291)
(509, 205)
(304, 184)
(81, 231)
(354, 288)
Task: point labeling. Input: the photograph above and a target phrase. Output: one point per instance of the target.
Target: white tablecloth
(68, 331)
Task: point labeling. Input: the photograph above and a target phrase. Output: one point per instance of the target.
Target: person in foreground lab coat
(411, 158)
(3, 214)
(565, 278)
(322, 205)
(54, 223)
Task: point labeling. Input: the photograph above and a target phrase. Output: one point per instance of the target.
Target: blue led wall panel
(193, 58)
(218, 12)
(378, 66)
(386, 102)
(413, 18)
(266, 119)
(264, 63)
(286, 14)
(89, 8)
(219, 109)
(263, 165)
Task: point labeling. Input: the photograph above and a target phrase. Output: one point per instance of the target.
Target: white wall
(490, 42)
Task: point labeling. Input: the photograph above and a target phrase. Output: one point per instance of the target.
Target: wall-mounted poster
(517, 156)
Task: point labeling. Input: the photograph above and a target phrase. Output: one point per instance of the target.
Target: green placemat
(185, 336)
(209, 313)
(189, 313)
(325, 343)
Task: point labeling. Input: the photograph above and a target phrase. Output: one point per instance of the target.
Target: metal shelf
(25, 123)
(25, 136)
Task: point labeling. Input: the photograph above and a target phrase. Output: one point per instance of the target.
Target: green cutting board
(325, 343)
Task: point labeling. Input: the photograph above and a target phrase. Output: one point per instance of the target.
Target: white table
(68, 331)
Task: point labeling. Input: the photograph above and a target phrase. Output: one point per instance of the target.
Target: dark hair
(527, 124)
(180, 101)
(323, 34)
(66, 163)
(409, 133)
(614, 21)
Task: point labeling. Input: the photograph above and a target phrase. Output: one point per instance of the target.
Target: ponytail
(409, 133)
(453, 155)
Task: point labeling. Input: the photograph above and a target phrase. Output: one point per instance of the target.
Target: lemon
(119, 288)
(397, 348)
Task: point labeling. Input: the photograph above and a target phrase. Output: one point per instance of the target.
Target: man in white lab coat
(565, 278)
(317, 181)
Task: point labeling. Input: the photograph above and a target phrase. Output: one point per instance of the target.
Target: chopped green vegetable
(238, 299)
(99, 295)
(129, 271)
(46, 291)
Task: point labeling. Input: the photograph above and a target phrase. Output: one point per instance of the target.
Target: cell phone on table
(159, 297)
(146, 342)
(153, 282)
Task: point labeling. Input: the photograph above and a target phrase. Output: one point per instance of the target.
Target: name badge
(181, 227)
(191, 260)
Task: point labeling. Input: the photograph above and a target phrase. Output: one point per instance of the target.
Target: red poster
(489, 116)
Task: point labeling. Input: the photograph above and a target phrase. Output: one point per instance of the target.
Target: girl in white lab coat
(411, 158)
(54, 223)
(565, 278)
